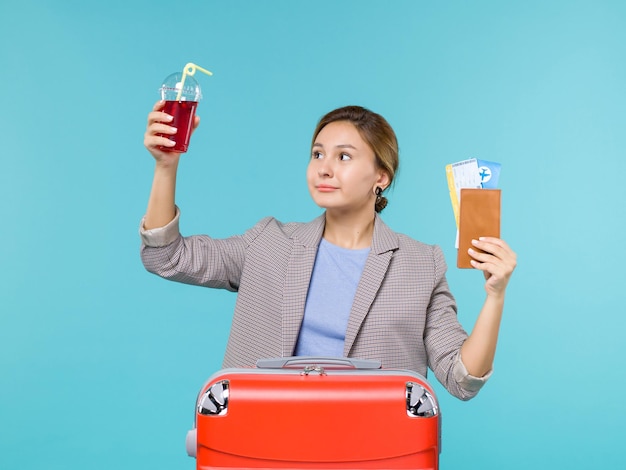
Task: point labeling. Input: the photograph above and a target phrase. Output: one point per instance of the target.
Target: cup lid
(171, 88)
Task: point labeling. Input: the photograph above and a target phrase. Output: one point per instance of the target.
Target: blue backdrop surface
(100, 362)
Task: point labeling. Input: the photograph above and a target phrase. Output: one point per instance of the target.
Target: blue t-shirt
(335, 277)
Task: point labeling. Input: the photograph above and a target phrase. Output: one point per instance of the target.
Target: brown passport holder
(479, 216)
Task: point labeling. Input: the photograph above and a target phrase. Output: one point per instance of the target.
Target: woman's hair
(374, 130)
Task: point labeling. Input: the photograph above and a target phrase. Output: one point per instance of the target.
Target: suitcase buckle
(215, 400)
(313, 368)
(420, 402)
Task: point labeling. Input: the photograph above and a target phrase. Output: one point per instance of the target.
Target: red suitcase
(303, 412)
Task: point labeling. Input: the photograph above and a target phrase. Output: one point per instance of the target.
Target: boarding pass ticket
(471, 173)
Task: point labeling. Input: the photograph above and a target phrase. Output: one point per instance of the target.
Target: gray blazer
(403, 312)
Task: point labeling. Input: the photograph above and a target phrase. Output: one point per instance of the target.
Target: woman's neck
(349, 231)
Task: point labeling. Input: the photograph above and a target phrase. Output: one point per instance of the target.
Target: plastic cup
(181, 105)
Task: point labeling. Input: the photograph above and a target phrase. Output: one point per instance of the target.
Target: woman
(343, 284)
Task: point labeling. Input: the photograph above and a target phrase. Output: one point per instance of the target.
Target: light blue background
(100, 362)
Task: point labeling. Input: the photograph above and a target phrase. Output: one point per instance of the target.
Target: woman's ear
(383, 180)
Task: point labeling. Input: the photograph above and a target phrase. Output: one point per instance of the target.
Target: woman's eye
(317, 155)
(344, 157)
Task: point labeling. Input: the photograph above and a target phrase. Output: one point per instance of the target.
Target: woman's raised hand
(158, 123)
(497, 263)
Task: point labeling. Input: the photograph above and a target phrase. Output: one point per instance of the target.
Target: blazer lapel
(305, 241)
(384, 243)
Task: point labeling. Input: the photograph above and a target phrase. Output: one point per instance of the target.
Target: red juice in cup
(182, 113)
(181, 93)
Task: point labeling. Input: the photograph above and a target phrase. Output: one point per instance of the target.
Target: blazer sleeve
(444, 336)
(199, 259)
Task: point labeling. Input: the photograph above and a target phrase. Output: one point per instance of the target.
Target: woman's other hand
(158, 123)
(497, 263)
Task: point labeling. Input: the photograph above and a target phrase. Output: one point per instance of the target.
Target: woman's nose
(324, 169)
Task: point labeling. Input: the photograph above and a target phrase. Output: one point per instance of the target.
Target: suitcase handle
(325, 363)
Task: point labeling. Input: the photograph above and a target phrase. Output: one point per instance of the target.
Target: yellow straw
(190, 69)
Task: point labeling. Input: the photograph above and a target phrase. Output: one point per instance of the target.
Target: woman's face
(342, 174)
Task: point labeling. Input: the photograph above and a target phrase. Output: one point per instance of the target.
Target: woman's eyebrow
(340, 146)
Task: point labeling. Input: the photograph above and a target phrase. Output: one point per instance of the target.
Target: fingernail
(474, 242)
